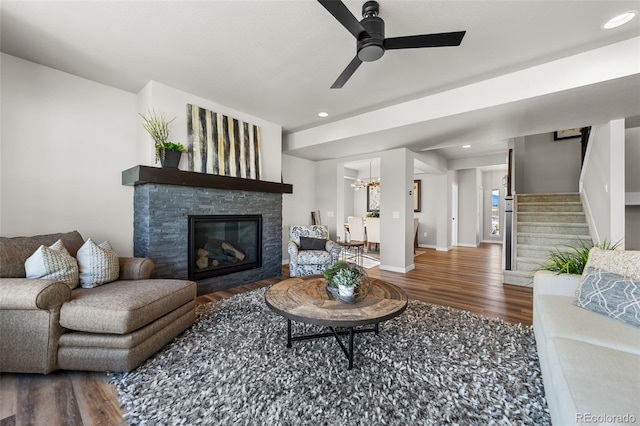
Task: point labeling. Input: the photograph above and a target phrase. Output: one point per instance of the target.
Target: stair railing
(508, 217)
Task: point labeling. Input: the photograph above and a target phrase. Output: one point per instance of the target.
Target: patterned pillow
(98, 264)
(610, 294)
(621, 262)
(53, 263)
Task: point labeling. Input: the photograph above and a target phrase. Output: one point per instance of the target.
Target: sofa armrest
(292, 248)
(333, 248)
(135, 268)
(26, 294)
(547, 282)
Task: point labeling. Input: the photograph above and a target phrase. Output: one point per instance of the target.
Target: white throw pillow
(53, 263)
(99, 264)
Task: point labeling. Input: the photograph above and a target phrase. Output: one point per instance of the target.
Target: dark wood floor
(463, 278)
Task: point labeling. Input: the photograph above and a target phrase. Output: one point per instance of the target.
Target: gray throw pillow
(308, 243)
(610, 294)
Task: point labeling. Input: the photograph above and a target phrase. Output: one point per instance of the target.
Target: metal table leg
(347, 349)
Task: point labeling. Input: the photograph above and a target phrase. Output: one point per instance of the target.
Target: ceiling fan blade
(347, 73)
(344, 16)
(425, 40)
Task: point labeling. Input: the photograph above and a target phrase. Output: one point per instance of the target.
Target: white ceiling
(277, 59)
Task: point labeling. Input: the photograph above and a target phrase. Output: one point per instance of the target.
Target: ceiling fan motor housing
(371, 48)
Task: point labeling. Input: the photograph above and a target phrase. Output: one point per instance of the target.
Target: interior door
(454, 214)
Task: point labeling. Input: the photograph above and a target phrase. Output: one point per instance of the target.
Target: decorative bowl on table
(347, 282)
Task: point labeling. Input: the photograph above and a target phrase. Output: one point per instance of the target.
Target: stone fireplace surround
(163, 200)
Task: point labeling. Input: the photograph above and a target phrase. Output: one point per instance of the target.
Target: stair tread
(547, 194)
(548, 203)
(574, 224)
(541, 234)
(554, 213)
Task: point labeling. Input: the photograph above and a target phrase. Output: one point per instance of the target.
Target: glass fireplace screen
(224, 244)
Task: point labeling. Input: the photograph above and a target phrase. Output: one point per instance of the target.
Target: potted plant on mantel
(169, 153)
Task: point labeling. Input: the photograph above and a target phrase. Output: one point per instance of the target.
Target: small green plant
(347, 278)
(158, 127)
(330, 272)
(373, 214)
(574, 260)
(171, 146)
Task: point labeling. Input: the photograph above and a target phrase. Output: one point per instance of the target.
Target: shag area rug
(430, 365)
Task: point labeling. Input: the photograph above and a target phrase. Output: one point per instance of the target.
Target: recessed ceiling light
(466, 146)
(619, 20)
(323, 114)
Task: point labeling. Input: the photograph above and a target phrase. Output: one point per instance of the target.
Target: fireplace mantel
(140, 175)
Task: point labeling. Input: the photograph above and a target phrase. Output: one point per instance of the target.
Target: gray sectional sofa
(45, 325)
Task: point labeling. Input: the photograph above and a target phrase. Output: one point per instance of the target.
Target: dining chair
(373, 232)
(356, 228)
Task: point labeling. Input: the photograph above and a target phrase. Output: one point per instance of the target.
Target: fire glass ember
(223, 244)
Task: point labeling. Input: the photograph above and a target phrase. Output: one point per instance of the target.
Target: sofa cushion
(14, 251)
(314, 257)
(556, 316)
(601, 381)
(610, 294)
(98, 264)
(121, 307)
(53, 263)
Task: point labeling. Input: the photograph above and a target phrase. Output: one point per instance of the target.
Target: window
(495, 212)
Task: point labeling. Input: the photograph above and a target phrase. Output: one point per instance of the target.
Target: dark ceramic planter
(171, 159)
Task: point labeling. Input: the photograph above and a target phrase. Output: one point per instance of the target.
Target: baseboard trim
(397, 269)
(468, 245)
(492, 241)
(443, 248)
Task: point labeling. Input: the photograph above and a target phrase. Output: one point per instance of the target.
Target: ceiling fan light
(370, 53)
(620, 20)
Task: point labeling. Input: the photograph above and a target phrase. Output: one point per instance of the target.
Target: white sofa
(590, 363)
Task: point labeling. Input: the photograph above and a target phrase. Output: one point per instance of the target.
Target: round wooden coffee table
(306, 299)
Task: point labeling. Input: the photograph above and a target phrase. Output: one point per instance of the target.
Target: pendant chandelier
(359, 183)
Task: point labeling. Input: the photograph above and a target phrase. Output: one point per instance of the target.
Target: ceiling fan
(371, 43)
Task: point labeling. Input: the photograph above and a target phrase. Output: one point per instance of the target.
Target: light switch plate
(396, 215)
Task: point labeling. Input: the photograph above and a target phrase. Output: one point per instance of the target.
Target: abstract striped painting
(222, 145)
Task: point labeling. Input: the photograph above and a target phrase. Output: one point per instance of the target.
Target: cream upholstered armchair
(310, 250)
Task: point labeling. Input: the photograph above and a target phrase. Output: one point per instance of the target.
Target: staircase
(544, 222)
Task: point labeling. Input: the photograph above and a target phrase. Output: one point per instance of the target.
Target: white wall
(173, 103)
(428, 214)
(545, 165)
(602, 182)
(297, 207)
(65, 141)
(468, 187)
(632, 182)
(396, 210)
